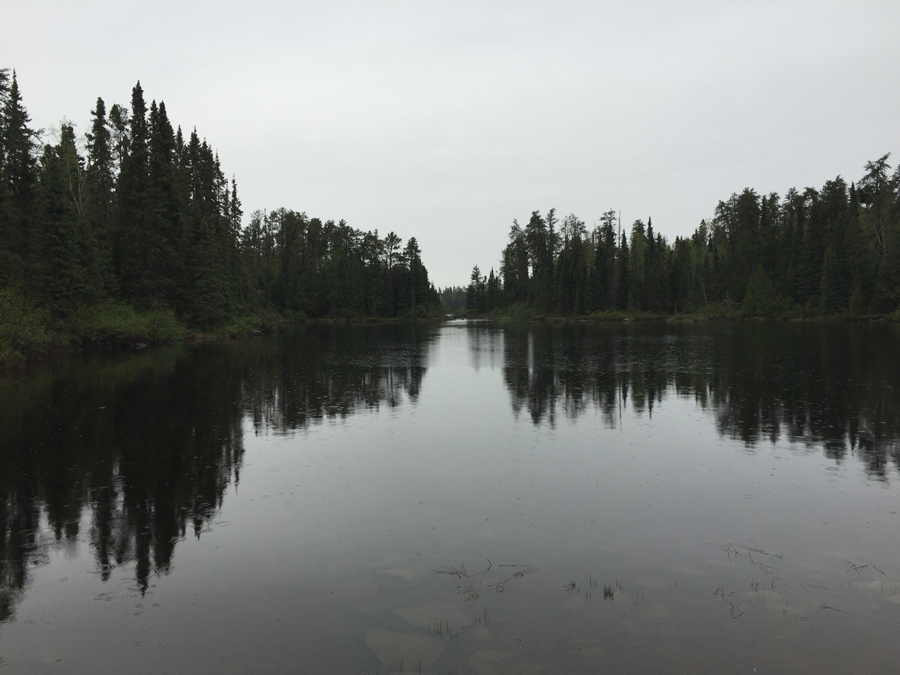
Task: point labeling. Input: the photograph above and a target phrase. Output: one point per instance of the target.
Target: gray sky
(446, 120)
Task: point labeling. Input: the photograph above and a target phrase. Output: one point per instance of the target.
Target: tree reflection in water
(828, 386)
(133, 452)
(140, 449)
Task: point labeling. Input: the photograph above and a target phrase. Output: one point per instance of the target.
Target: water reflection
(133, 452)
(828, 386)
(310, 375)
(683, 510)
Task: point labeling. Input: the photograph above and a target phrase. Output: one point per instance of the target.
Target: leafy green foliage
(22, 326)
(120, 322)
(761, 298)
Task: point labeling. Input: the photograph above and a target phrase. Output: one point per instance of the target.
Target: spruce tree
(17, 185)
(859, 274)
(4, 185)
(99, 194)
(131, 245)
(204, 300)
(761, 298)
(623, 284)
(164, 235)
(59, 280)
(833, 291)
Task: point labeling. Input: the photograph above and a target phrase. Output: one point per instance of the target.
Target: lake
(458, 498)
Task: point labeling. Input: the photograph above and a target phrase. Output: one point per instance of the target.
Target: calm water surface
(464, 498)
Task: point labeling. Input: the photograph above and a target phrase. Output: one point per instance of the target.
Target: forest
(833, 251)
(133, 231)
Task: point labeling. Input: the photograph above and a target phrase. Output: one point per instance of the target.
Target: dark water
(462, 498)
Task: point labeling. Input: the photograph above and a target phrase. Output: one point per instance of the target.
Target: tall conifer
(132, 227)
(17, 176)
(163, 217)
(100, 193)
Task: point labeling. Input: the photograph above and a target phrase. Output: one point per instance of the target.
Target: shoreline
(20, 351)
(687, 317)
(25, 348)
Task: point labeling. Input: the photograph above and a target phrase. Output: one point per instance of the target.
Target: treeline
(453, 298)
(301, 264)
(831, 251)
(140, 214)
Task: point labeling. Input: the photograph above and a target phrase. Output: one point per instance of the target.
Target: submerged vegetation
(828, 252)
(134, 233)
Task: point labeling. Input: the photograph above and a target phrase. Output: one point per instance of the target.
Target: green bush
(265, 320)
(120, 322)
(761, 298)
(22, 326)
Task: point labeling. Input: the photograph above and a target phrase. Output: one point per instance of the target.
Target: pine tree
(476, 292)
(623, 294)
(59, 279)
(162, 219)
(859, 272)
(812, 249)
(99, 195)
(761, 298)
(605, 265)
(636, 296)
(204, 298)
(494, 291)
(537, 241)
(833, 291)
(131, 243)
(514, 267)
(236, 272)
(17, 185)
(880, 221)
(5, 228)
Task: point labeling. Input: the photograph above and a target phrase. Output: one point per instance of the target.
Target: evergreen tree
(476, 292)
(149, 218)
(636, 296)
(119, 120)
(514, 267)
(6, 234)
(99, 194)
(761, 298)
(17, 184)
(59, 280)
(859, 277)
(236, 271)
(494, 291)
(537, 240)
(605, 266)
(833, 292)
(162, 217)
(879, 221)
(681, 289)
(623, 283)
(131, 244)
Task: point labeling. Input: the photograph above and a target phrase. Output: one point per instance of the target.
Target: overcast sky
(446, 120)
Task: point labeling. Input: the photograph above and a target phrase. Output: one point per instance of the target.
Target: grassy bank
(711, 312)
(31, 333)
